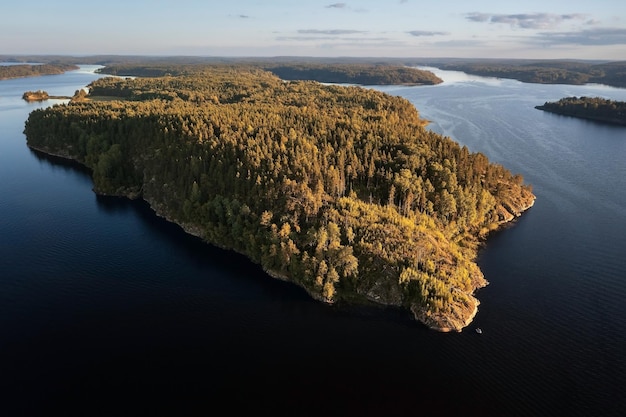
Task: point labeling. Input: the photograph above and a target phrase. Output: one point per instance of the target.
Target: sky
(570, 29)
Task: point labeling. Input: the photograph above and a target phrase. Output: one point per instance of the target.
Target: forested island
(26, 70)
(592, 108)
(541, 71)
(363, 74)
(338, 189)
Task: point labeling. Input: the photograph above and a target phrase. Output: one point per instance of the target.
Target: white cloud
(426, 33)
(526, 20)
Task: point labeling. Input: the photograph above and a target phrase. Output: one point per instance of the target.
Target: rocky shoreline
(594, 118)
(455, 319)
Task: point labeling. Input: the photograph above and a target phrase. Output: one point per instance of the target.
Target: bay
(108, 310)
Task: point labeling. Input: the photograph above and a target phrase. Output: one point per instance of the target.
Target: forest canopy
(338, 189)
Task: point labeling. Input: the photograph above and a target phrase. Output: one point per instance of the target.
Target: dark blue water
(106, 310)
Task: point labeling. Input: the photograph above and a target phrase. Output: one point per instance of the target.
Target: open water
(106, 310)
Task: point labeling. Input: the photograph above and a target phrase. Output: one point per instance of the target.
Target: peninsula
(340, 190)
(591, 108)
(29, 70)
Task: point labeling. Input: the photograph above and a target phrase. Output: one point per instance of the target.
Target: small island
(41, 95)
(592, 108)
(340, 190)
(38, 95)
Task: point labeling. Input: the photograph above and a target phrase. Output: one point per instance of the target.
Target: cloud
(426, 33)
(526, 20)
(365, 44)
(460, 43)
(344, 6)
(587, 37)
(478, 17)
(337, 6)
(334, 39)
(330, 32)
(239, 16)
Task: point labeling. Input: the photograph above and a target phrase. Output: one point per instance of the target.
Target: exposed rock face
(512, 208)
(455, 320)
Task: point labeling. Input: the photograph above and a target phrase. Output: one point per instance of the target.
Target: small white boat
(479, 330)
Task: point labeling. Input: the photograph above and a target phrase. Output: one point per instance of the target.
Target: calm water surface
(106, 310)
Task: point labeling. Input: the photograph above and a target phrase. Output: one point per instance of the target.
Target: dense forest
(593, 108)
(338, 189)
(26, 70)
(362, 74)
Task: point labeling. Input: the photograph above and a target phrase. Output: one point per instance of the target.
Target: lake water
(106, 310)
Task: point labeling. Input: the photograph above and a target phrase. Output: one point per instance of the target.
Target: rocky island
(591, 108)
(40, 95)
(340, 190)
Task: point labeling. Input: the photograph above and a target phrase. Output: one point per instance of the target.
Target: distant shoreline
(34, 70)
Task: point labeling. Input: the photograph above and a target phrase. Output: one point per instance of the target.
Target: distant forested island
(363, 74)
(543, 71)
(592, 108)
(26, 70)
(340, 190)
